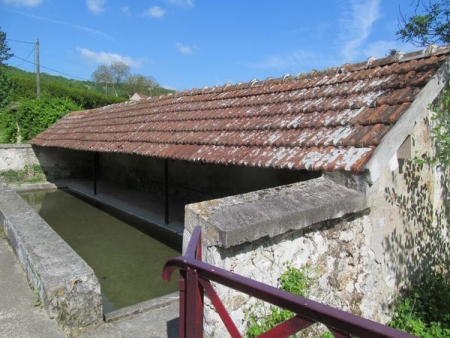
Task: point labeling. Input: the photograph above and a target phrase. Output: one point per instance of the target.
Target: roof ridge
(371, 62)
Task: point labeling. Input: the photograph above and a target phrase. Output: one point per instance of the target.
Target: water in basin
(126, 261)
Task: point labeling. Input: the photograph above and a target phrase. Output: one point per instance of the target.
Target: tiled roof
(327, 120)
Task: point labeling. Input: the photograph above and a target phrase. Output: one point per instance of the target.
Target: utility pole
(38, 79)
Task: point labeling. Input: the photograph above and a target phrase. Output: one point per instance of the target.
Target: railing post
(182, 324)
(194, 308)
(194, 293)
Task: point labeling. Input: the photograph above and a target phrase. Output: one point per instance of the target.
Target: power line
(32, 50)
(34, 64)
(31, 43)
(53, 70)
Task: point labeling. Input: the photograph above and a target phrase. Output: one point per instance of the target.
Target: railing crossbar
(220, 308)
(307, 311)
(287, 328)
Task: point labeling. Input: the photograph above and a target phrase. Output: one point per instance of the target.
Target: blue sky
(186, 44)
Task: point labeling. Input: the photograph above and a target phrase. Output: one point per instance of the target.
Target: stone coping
(234, 220)
(68, 288)
(15, 146)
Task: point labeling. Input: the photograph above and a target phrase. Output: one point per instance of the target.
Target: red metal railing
(195, 281)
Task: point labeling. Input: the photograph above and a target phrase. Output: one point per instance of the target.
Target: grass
(29, 174)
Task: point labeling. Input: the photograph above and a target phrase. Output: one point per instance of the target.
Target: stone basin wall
(68, 288)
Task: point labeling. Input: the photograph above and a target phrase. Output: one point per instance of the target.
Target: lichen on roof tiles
(322, 120)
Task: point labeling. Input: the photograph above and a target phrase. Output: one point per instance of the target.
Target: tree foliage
(83, 93)
(31, 116)
(5, 81)
(113, 75)
(102, 74)
(4, 49)
(117, 76)
(6, 87)
(429, 25)
(140, 84)
(119, 71)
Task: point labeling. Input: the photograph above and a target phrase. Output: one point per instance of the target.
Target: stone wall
(411, 213)
(345, 273)
(16, 156)
(57, 163)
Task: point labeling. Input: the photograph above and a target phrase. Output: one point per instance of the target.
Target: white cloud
(356, 25)
(155, 12)
(96, 6)
(26, 3)
(107, 58)
(126, 10)
(185, 49)
(181, 3)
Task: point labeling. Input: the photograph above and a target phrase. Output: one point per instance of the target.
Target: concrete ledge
(244, 218)
(32, 186)
(67, 286)
(142, 307)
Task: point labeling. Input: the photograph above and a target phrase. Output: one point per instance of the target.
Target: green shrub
(424, 309)
(30, 117)
(293, 280)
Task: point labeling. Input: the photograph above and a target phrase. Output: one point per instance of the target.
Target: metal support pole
(94, 170)
(166, 191)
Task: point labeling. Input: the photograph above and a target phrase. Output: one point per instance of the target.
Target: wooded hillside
(24, 116)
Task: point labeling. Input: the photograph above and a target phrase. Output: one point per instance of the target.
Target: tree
(429, 25)
(5, 81)
(140, 84)
(115, 74)
(119, 71)
(102, 74)
(4, 49)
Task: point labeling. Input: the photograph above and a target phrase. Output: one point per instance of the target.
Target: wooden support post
(166, 191)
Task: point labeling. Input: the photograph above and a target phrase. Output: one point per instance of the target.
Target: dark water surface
(127, 262)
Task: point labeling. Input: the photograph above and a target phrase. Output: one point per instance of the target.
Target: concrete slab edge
(271, 212)
(142, 307)
(67, 286)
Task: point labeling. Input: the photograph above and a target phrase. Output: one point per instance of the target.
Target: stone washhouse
(316, 169)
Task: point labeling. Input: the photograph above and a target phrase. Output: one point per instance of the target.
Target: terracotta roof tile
(324, 120)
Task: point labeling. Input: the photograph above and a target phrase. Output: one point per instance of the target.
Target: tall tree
(4, 49)
(103, 75)
(429, 25)
(119, 71)
(115, 74)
